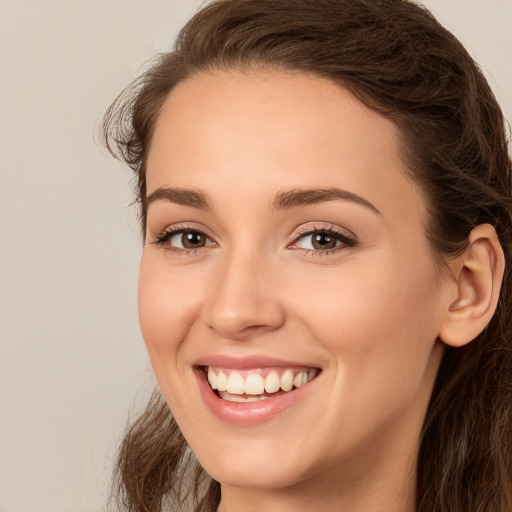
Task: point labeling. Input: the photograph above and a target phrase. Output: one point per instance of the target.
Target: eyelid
(163, 236)
(313, 227)
(344, 235)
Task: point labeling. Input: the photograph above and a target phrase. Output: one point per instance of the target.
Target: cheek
(164, 313)
(379, 323)
(165, 316)
(365, 305)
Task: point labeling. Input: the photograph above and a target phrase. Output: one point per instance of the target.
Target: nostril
(254, 328)
(237, 330)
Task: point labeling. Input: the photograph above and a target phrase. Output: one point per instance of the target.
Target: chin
(253, 471)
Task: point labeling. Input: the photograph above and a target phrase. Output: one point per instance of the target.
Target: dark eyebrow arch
(303, 197)
(283, 200)
(184, 196)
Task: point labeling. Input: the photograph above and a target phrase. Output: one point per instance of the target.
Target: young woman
(324, 292)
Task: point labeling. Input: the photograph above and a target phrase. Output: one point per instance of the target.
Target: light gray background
(72, 362)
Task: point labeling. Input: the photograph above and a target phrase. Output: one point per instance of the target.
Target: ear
(478, 274)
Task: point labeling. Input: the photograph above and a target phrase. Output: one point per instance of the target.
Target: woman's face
(286, 255)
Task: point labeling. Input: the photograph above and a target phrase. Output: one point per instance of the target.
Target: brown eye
(322, 241)
(192, 239)
(184, 239)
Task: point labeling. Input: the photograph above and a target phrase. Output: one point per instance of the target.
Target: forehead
(269, 131)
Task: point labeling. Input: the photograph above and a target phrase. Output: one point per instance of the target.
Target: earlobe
(479, 273)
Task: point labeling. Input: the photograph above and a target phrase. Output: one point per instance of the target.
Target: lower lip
(249, 413)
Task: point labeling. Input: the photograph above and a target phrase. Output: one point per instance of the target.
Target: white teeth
(254, 384)
(287, 380)
(212, 378)
(235, 383)
(239, 398)
(272, 382)
(299, 379)
(222, 381)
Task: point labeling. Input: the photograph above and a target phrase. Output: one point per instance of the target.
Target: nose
(244, 302)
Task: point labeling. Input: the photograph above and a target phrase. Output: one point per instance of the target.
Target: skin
(368, 315)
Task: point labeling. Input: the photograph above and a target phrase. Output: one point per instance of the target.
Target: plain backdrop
(72, 361)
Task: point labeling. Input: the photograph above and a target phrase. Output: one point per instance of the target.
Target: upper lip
(247, 362)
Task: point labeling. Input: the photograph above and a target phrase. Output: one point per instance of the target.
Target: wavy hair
(398, 60)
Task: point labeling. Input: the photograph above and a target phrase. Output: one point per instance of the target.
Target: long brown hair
(397, 59)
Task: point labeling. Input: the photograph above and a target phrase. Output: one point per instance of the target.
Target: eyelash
(346, 240)
(162, 239)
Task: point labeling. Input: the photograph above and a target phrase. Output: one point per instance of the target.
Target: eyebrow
(183, 196)
(283, 201)
(303, 197)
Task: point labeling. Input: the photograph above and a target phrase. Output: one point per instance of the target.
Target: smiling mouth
(257, 384)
